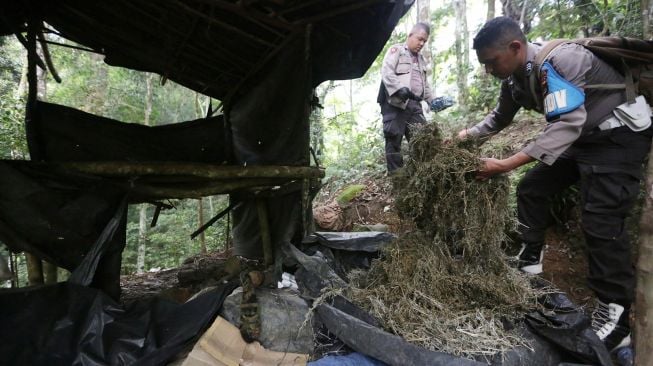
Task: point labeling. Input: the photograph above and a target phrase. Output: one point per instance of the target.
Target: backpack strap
(533, 78)
(629, 80)
(629, 84)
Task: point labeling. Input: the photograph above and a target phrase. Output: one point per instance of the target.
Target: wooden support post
(268, 256)
(32, 81)
(644, 292)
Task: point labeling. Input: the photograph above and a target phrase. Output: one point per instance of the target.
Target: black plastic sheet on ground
(572, 333)
(68, 324)
(366, 241)
(362, 332)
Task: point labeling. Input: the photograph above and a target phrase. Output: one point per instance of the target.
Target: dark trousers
(607, 165)
(398, 123)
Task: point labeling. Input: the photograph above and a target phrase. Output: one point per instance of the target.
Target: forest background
(346, 133)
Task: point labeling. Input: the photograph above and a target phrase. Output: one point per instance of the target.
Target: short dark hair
(498, 32)
(422, 26)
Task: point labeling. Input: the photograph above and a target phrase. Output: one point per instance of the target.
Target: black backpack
(632, 57)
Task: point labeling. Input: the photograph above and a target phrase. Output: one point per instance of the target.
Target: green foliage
(483, 92)
(12, 135)
(584, 18)
(352, 149)
(349, 193)
(169, 243)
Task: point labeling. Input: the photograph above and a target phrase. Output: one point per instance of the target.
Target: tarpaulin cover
(55, 216)
(269, 125)
(362, 332)
(215, 47)
(67, 324)
(67, 134)
(381, 345)
(352, 359)
(572, 333)
(366, 241)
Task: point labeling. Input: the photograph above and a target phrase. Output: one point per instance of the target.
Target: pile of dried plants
(447, 286)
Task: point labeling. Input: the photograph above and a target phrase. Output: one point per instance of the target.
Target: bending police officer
(583, 142)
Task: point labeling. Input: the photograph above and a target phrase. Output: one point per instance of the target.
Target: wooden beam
(224, 25)
(344, 9)
(252, 15)
(197, 170)
(144, 192)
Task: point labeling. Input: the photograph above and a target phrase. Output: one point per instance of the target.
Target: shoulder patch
(560, 95)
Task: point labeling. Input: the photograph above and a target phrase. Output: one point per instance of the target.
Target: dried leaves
(448, 286)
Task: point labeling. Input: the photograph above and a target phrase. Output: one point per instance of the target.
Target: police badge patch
(529, 68)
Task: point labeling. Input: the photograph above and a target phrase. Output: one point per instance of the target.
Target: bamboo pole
(644, 290)
(149, 192)
(199, 170)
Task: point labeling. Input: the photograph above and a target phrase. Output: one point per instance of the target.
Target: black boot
(610, 321)
(530, 256)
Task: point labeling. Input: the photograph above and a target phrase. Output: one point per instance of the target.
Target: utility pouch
(637, 116)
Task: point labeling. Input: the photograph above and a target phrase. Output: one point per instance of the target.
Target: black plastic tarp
(55, 216)
(362, 332)
(68, 324)
(366, 241)
(67, 134)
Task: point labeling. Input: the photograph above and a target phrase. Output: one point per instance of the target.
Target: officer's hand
(405, 94)
(463, 134)
(441, 103)
(490, 167)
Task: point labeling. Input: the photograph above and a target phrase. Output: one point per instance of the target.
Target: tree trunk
(142, 239)
(13, 263)
(646, 18)
(142, 223)
(211, 209)
(462, 51)
(96, 100)
(200, 218)
(644, 292)
(490, 9)
(518, 10)
(41, 75)
(561, 29)
(22, 84)
(148, 100)
(34, 270)
(424, 16)
(317, 128)
(50, 272)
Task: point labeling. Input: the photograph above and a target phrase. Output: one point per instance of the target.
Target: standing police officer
(587, 140)
(404, 85)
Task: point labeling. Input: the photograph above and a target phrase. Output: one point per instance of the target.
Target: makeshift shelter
(261, 58)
